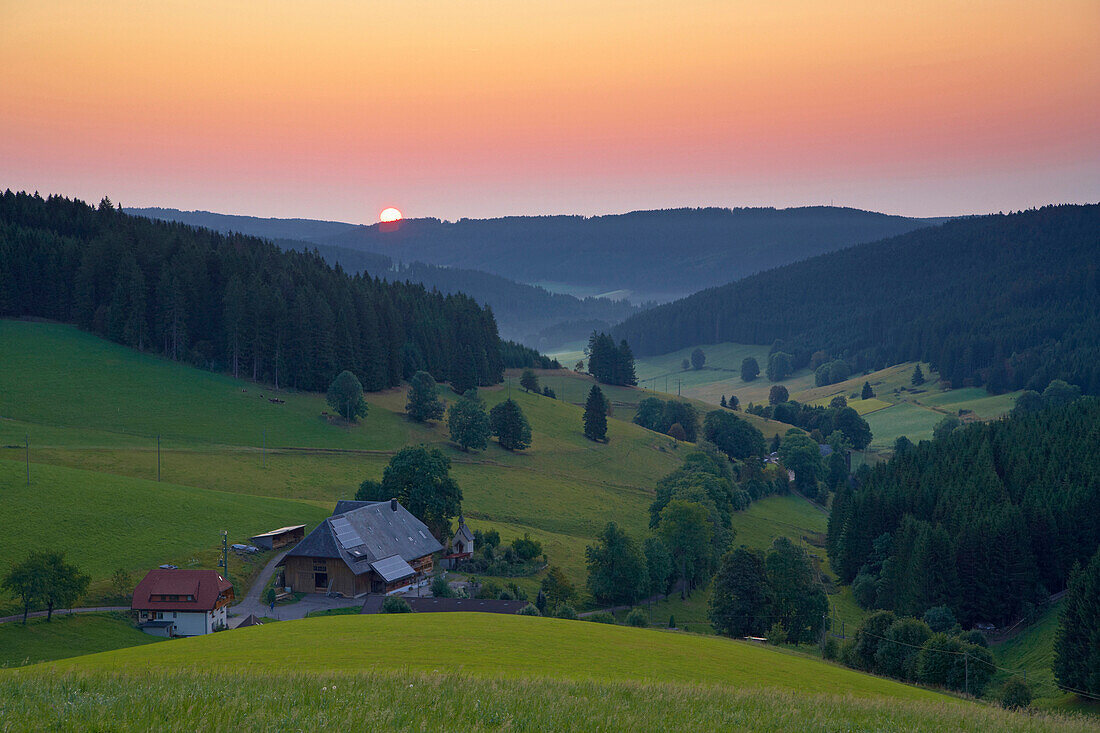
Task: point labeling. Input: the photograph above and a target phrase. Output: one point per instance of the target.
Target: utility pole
(225, 553)
(263, 452)
(824, 623)
(27, 445)
(966, 663)
(158, 457)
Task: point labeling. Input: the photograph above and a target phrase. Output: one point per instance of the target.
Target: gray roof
(366, 533)
(463, 532)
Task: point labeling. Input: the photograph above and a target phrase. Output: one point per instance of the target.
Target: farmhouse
(364, 547)
(173, 602)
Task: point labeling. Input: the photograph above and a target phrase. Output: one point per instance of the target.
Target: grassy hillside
(97, 407)
(105, 522)
(67, 636)
(92, 411)
(897, 409)
(500, 672)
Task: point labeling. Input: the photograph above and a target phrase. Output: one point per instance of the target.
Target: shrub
(637, 618)
(529, 610)
(777, 634)
(974, 637)
(1015, 694)
(897, 650)
(441, 588)
(603, 617)
(939, 618)
(395, 604)
(832, 648)
(865, 590)
(527, 548)
(672, 622)
(567, 612)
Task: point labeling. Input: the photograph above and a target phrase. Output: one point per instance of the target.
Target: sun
(389, 214)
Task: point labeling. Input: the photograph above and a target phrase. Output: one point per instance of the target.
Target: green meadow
(482, 672)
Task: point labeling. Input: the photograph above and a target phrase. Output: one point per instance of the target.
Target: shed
(280, 537)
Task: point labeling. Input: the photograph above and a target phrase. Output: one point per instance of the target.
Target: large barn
(364, 547)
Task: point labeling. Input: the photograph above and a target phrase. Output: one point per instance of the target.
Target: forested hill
(1006, 301)
(985, 520)
(654, 255)
(232, 302)
(526, 313)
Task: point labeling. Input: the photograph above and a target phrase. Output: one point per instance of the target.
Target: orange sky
(481, 108)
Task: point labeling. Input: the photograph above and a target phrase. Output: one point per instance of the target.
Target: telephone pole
(225, 553)
(966, 663)
(27, 445)
(263, 452)
(158, 458)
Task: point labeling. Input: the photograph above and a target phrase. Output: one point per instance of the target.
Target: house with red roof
(174, 602)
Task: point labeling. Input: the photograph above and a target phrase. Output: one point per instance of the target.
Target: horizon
(336, 111)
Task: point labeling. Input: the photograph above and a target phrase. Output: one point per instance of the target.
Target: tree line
(988, 520)
(1006, 302)
(234, 303)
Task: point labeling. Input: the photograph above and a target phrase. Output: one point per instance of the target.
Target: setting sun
(389, 214)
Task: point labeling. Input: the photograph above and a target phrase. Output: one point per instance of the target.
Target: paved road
(63, 612)
(251, 602)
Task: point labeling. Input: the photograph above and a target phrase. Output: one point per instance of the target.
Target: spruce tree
(595, 415)
(867, 393)
(918, 377)
(1076, 648)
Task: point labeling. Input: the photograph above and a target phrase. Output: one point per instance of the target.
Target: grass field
(1032, 651)
(897, 408)
(105, 522)
(502, 672)
(67, 636)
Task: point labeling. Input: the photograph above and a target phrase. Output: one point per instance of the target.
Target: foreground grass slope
(501, 672)
(494, 646)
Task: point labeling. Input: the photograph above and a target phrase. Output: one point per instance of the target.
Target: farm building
(364, 547)
(173, 602)
(280, 537)
(462, 545)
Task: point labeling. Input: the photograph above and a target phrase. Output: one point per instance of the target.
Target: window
(160, 615)
(320, 566)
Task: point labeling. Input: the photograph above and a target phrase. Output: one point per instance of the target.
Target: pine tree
(918, 377)
(867, 393)
(595, 415)
(723, 401)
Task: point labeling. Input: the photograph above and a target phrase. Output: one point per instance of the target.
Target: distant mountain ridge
(655, 255)
(1003, 301)
(525, 313)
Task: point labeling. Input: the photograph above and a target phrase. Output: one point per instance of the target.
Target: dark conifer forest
(234, 303)
(1005, 302)
(986, 520)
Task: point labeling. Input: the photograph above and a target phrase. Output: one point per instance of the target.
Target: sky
(477, 108)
